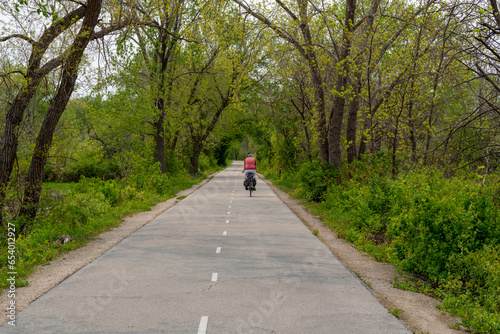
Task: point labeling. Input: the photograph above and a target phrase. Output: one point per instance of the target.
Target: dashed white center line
(202, 329)
(228, 213)
(214, 277)
(229, 207)
(227, 221)
(217, 251)
(224, 233)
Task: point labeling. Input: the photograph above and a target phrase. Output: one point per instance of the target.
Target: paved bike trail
(217, 262)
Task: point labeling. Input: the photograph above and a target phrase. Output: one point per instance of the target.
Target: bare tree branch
(23, 37)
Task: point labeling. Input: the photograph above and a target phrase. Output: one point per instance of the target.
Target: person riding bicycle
(250, 167)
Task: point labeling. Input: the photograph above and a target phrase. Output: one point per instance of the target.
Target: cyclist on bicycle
(249, 167)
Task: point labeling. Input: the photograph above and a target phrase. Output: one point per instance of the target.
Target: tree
(236, 48)
(305, 46)
(34, 74)
(59, 25)
(57, 106)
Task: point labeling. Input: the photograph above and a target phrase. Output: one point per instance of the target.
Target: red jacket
(250, 163)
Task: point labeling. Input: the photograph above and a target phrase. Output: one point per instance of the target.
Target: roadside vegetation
(442, 233)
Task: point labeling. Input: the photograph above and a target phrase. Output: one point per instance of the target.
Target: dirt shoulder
(420, 311)
(46, 277)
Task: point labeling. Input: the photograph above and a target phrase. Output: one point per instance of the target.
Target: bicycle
(250, 183)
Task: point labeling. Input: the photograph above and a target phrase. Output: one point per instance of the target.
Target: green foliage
(87, 165)
(433, 219)
(403, 285)
(471, 290)
(397, 312)
(315, 177)
(44, 9)
(207, 161)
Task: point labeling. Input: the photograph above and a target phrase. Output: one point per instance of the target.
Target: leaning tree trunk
(56, 108)
(33, 77)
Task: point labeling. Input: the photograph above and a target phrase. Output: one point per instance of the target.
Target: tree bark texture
(337, 115)
(159, 135)
(352, 120)
(43, 144)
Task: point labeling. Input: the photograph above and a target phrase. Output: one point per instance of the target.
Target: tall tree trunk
(159, 135)
(43, 144)
(194, 159)
(411, 121)
(302, 112)
(413, 139)
(352, 120)
(317, 80)
(164, 57)
(321, 125)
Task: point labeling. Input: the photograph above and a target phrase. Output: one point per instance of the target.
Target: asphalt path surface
(219, 261)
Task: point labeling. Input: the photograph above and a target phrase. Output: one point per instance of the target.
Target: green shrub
(472, 289)
(433, 218)
(80, 208)
(315, 177)
(105, 169)
(206, 162)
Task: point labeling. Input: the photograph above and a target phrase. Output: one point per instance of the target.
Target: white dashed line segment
(202, 329)
(214, 277)
(217, 251)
